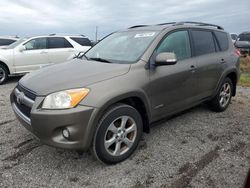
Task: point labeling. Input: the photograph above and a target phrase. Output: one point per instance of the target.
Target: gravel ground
(197, 148)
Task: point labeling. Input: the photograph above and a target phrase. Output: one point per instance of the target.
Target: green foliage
(245, 71)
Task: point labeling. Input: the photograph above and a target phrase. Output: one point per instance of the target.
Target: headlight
(65, 99)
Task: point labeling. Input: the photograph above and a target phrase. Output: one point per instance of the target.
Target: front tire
(118, 134)
(3, 74)
(223, 98)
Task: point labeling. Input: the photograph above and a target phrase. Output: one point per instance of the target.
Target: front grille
(28, 93)
(23, 107)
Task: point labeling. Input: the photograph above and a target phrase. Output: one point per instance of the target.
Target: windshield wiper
(100, 59)
(80, 55)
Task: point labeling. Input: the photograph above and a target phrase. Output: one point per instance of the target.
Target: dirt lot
(197, 148)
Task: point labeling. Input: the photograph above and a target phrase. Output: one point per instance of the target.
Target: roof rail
(65, 34)
(135, 26)
(168, 23)
(199, 24)
(182, 23)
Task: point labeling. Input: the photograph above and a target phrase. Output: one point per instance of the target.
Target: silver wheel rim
(2, 75)
(120, 136)
(225, 94)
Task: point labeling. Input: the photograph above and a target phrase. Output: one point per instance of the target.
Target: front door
(34, 56)
(172, 87)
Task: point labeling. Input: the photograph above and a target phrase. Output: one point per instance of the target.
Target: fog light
(66, 133)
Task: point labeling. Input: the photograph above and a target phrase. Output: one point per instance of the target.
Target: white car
(26, 55)
(6, 41)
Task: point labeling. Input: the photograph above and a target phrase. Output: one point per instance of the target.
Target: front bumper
(47, 125)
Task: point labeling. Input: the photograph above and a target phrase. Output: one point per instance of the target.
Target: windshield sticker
(151, 34)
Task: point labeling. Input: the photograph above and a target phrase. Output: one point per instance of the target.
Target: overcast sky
(29, 18)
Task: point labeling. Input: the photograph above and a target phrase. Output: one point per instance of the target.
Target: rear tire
(3, 74)
(223, 98)
(118, 134)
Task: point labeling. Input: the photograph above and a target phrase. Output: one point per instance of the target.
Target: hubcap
(225, 94)
(2, 74)
(120, 135)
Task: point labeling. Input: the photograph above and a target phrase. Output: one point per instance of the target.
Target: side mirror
(242, 44)
(165, 58)
(22, 48)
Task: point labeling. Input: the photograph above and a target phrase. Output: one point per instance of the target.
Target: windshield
(15, 44)
(122, 47)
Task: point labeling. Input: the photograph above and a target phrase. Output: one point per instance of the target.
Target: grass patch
(245, 80)
(245, 71)
(245, 65)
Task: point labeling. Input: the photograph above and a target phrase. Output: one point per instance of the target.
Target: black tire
(3, 74)
(113, 115)
(215, 103)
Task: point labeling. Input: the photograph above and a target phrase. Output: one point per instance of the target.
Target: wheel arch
(134, 99)
(233, 78)
(233, 75)
(5, 65)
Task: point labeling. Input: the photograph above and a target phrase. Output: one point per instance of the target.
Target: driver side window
(35, 44)
(178, 43)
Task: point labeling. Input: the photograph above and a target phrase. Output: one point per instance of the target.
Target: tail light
(237, 51)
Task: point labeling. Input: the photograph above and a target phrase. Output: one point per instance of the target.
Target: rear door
(209, 62)
(60, 50)
(33, 57)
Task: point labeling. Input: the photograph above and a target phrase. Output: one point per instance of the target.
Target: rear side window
(177, 42)
(203, 42)
(59, 42)
(82, 41)
(6, 42)
(222, 39)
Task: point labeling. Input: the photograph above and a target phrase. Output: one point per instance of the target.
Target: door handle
(43, 52)
(192, 68)
(222, 61)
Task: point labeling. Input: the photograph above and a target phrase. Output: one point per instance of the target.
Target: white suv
(26, 55)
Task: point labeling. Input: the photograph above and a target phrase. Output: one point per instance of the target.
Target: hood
(73, 74)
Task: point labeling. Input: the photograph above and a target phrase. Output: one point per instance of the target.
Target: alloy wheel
(120, 135)
(225, 94)
(2, 75)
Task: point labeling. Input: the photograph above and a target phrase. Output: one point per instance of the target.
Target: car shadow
(13, 79)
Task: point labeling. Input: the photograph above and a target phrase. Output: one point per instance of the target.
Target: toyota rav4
(109, 96)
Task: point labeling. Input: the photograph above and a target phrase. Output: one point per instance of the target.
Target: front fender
(98, 113)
